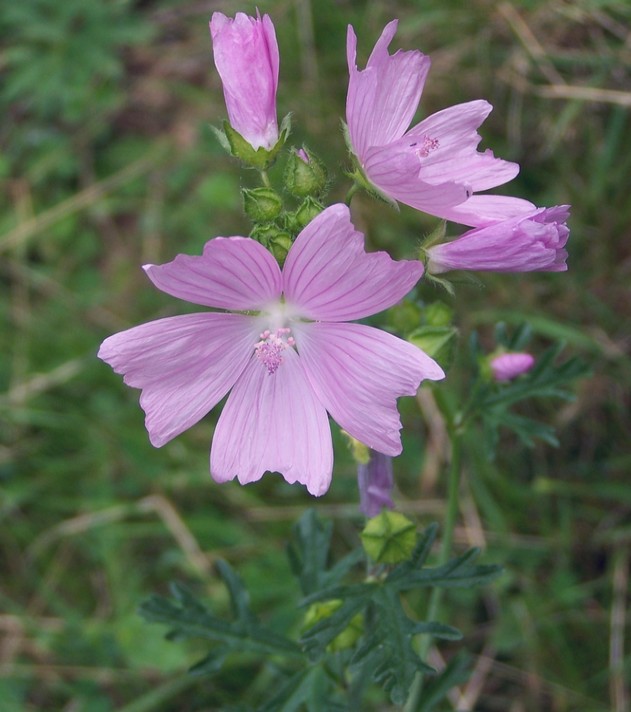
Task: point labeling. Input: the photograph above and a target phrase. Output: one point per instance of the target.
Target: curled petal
(358, 372)
(234, 273)
(273, 422)
(184, 365)
(329, 276)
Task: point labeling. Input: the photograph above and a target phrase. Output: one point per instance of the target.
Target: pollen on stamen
(270, 348)
(427, 146)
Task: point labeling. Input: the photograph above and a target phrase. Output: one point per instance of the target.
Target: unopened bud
(375, 481)
(309, 209)
(305, 174)
(389, 538)
(261, 205)
(325, 609)
(507, 366)
(279, 246)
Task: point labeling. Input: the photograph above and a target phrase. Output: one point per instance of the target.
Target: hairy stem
(449, 525)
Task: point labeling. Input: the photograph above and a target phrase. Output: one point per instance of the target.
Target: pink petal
(273, 422)
(183, 364)
(455, 157)
(482, 210)
(383, 98)
(358, 372)
(396, 171)
(329, 276)
(234, 273)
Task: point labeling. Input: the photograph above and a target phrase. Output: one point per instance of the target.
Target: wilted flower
(375, 480)
(507, 366)
(247, 59)
(434, 166)
(530, 243)
(286, 354)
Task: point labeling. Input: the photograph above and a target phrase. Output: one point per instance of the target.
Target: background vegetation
(107, 162)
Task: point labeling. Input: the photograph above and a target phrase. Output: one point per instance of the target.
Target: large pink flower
(531, 243)
(434, 166)
(286, 352)
(247, 59)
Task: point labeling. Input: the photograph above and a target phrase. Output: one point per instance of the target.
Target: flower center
(269, 349)
(425, 146)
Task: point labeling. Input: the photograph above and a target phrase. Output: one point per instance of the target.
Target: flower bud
(247, 59)
(305, 174)
(306, 212)
(325, 609)
(389, 538)
(375, 481)
(507, 366)
(279, 245)
(261, 205)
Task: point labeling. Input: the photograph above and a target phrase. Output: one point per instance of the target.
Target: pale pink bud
(505, 367)
(246, 56)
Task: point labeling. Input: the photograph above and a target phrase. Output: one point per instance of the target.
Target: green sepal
(261, 205)
(259, 158)
(435, 341)
(389, 538)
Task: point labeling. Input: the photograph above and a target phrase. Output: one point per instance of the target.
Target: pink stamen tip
(269, 350)
(427, 146)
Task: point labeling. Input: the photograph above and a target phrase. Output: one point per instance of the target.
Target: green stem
(265, 178)
(449, 525)
(351, 192)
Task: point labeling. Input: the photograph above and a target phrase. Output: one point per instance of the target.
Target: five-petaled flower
(285, 352)
(434, 166)
(247, 59)
(531, 243)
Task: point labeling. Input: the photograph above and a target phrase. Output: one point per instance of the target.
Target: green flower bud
(261, 205)
(389, 538)
(308, 210)
(279, 246)
(324, 609)
(305, 174)
(264, 233)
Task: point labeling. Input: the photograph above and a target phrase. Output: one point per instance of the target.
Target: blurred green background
(107, 162)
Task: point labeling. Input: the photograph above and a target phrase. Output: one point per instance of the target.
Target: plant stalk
(449, 525)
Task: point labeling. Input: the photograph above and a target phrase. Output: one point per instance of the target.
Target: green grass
(107, 162)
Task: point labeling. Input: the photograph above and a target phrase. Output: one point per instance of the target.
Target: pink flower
(286, 353)
(247, 59)
(505, 367)
(531, 243)
(434, 166)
